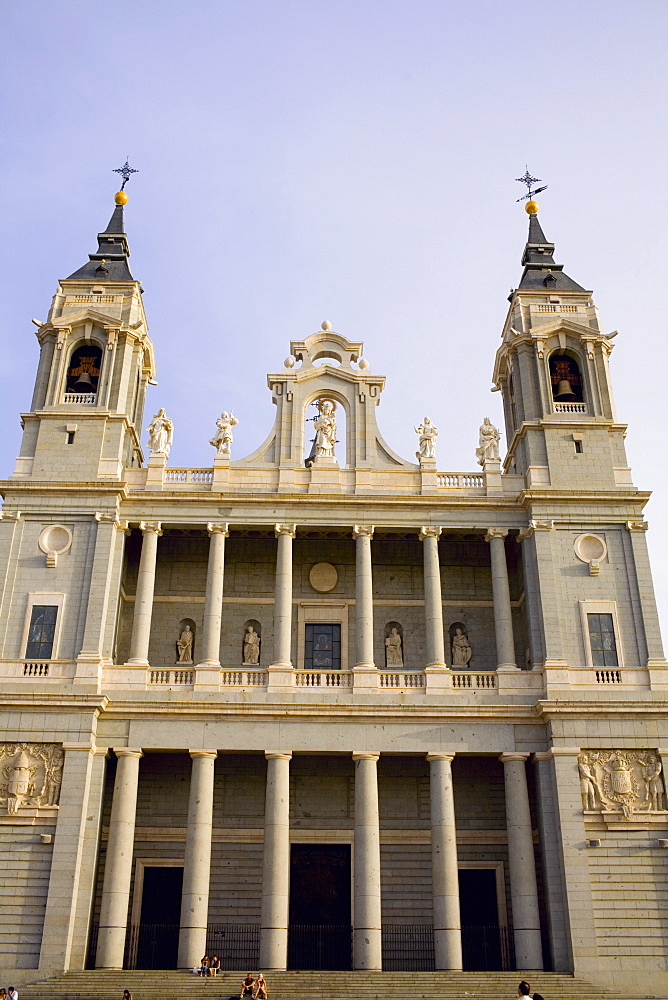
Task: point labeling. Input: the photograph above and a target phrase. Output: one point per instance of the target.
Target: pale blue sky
(350, 161)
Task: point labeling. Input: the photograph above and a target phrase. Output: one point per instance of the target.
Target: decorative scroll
(626, 780)
(30, 775)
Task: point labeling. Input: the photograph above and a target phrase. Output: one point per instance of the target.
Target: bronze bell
(564, 392)
(84, 383)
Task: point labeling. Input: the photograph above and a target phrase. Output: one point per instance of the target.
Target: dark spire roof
(540, 270)
(110, 263)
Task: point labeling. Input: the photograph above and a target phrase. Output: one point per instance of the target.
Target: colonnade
(276, 863)
(364, 611)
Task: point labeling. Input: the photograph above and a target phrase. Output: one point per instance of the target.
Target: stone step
(313, 985)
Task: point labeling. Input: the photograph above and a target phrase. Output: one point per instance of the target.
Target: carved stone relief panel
(621, 781)
(30, 776)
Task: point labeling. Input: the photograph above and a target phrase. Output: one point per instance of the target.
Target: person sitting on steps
(247, 987)
(260, 988)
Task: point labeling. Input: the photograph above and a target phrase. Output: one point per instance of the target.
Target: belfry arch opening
(565, 378)
(83, 370)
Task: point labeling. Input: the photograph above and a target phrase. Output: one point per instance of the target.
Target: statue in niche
(427, 439)
(160, 434)
(222, 439)
(655, 788)
(394, 656)
(325, 429)
(461, 650)
(488, 450)
(588, 785)
(251, 647)
(184, 645)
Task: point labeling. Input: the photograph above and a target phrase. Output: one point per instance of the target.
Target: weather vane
(125, 171)
(530, 181)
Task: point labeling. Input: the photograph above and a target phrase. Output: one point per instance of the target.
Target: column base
(509, 679)
(136, 661)
(365, 677)
(89, 670)
(281, 677)
(207, 676)
(367, 949)
(658, 674)
(438, 677)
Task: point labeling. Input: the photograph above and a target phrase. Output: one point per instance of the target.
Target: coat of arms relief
(30, 776)
(626, 781)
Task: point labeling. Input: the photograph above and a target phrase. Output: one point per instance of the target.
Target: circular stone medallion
(323, 577)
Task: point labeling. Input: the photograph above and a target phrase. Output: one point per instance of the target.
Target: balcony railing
(460, 480)
(188, 476)
(401, 679)
(570, 407)
(81, 398)
(170, 677)
(461, 679)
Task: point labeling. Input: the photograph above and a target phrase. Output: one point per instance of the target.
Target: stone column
(197, 861)
(521, 864)
(364, 661)
(213, 601)
(433, 605)
(503, 615)
(118, 866)
(74, 860)
(106, 559)
(276, 864)
(141, 624)
(283, 596)
(367, 950)
(444, 868)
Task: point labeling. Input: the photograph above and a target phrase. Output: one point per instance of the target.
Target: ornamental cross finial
(125, 171)
(530, 181)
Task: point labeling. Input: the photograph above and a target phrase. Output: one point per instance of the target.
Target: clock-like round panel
(323, 577)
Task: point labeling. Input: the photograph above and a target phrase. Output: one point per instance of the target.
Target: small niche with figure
(325, 429)
(83, 373)
(394, 645)
(565, 378)
(185, 641)
(460, 647)
(251, 643)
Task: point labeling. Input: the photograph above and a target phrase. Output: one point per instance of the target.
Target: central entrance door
(158, 944)
(320, 933)
(484, 947)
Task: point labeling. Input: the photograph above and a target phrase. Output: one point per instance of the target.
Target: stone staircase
(320, 985)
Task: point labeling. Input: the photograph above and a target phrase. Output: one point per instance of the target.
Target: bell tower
(552, 371)
(95, 362)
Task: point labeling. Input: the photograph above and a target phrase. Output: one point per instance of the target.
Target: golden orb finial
(121, 198)
(531, 207)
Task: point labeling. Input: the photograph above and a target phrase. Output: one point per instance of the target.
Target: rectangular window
(322, 647)
(602, 640)
(41, 632)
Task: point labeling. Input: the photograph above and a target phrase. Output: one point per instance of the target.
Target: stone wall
(25, 867)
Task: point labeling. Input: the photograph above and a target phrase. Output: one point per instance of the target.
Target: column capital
(285, 529)
(148, 526)
(429, 531)
(506, 758)
(363, 755)
(439, 756)
(272, 755)
(10, 515)
(363, 529)
(558, 752)
(212, 754)
(218, 528)
(88, 747)
(495, 533)
(127, 752)
(638, 525)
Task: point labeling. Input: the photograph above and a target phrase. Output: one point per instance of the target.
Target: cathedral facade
(321, 706)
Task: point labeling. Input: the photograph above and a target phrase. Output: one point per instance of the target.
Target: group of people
(254, 988)
(524, 992)
(9, 994)
(208, 966)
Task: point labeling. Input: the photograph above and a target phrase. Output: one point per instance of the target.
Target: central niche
(325, 433)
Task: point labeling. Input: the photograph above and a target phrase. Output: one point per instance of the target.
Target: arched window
(83, 372)
(565, 378)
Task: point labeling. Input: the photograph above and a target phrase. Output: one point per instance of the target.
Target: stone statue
(251, 647)
(184, 645)
(428, 434)
(393, 651)
(461, 650)
(588, 784)
(655, 789)
(488, 450)
(325, 430)
(222, 439)
(160, 434)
